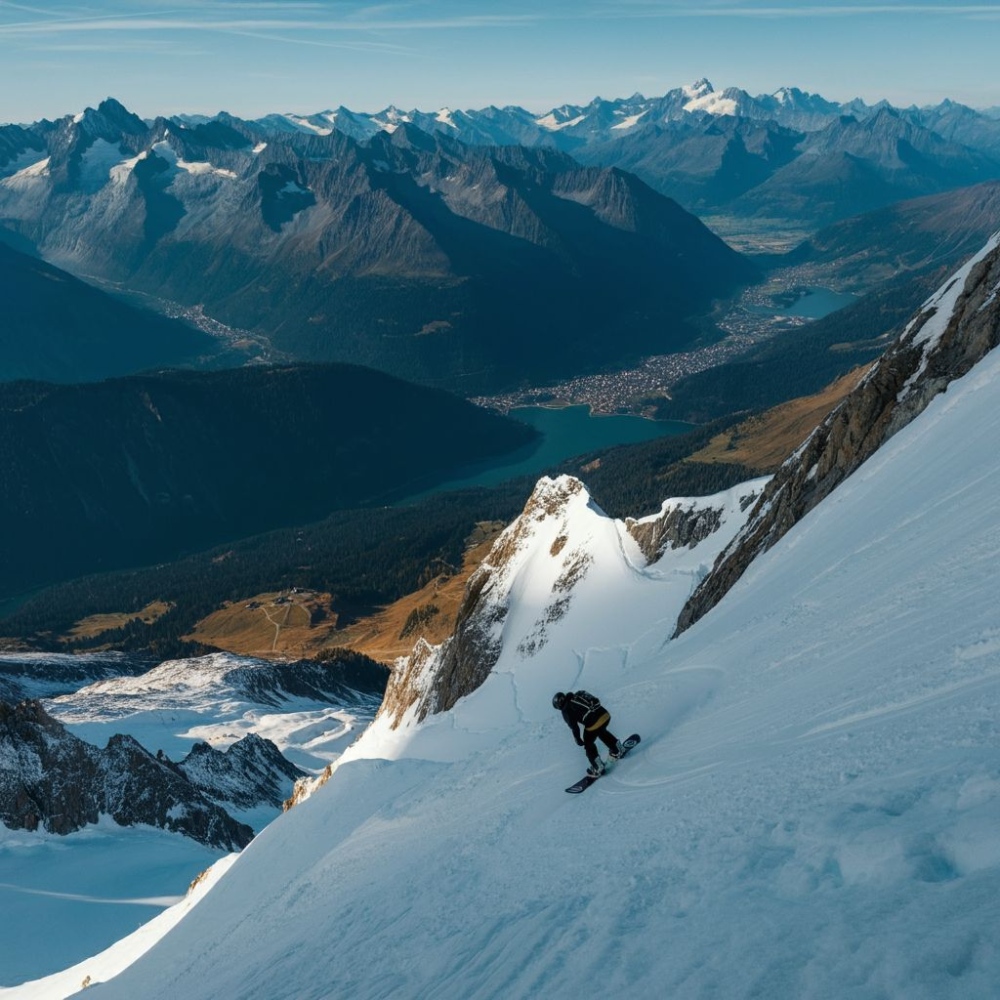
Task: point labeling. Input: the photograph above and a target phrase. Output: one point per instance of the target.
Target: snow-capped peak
(701, 88)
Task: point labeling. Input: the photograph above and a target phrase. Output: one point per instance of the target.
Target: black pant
(591, 736)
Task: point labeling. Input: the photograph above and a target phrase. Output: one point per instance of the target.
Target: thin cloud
(159, 23)
(655, 9)
(358, 46)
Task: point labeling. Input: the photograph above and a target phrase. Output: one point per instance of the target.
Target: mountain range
(474, 250)
(711, 150)
(467, 267)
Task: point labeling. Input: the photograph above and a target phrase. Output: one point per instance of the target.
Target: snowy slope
(812, 813)
(88, 926)
(87, 891)
(219, 698)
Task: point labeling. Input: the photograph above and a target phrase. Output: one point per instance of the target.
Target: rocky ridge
(250, 772)
(953, 330)
(53, 780)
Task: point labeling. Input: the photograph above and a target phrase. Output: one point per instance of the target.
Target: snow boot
(596, 769)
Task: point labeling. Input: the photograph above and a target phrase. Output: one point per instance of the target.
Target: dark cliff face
(251, 772)
(954, 330)
(50, 779)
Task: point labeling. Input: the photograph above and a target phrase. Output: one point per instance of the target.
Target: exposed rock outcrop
(433, 678)
(954, 330)
(251, 772)
(678, 526)
(51, 779)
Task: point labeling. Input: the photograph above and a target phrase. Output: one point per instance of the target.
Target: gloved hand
(579, 739)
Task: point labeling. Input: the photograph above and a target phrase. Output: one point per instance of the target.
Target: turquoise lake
(566, 432)
(814, 302)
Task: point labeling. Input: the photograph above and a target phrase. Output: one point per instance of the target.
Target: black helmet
(558, 700)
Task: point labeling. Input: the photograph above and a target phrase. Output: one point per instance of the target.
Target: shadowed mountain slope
(139, 469)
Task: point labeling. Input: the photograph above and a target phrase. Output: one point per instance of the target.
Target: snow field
(124, 951)
(812, 812)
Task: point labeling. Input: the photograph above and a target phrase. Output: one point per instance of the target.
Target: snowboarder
(581, 708)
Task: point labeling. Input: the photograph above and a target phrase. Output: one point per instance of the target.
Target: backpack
(586, 701)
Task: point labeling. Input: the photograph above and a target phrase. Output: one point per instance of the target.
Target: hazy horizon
(251, 58)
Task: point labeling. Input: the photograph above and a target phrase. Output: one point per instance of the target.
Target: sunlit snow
(307, 126)
(181, 702)
(553, 124)
(812, 812)
(165, 151)
(121, 172)
(714, 104)
(629, 121)
(27, 175)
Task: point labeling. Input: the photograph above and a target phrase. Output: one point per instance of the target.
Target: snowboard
(587, 780)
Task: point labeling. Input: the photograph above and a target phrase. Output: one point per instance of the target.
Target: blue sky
(250, 58)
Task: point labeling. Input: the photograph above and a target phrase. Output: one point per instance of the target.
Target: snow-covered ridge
(545, 579)
(953, 330)
(310, 711)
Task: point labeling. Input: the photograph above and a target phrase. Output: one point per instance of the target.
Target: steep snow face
(812, 812)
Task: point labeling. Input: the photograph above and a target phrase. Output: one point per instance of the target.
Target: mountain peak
(698, 89)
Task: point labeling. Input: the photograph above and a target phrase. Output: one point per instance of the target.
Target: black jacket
(575, 713)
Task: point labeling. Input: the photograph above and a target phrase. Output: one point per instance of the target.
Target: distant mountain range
(475, 250)
(132, 470)
(571, 127)
(814, 160)
(468, 267)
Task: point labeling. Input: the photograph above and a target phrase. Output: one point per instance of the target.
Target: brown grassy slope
(303, 624)
(95, 625)
(764, 441)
